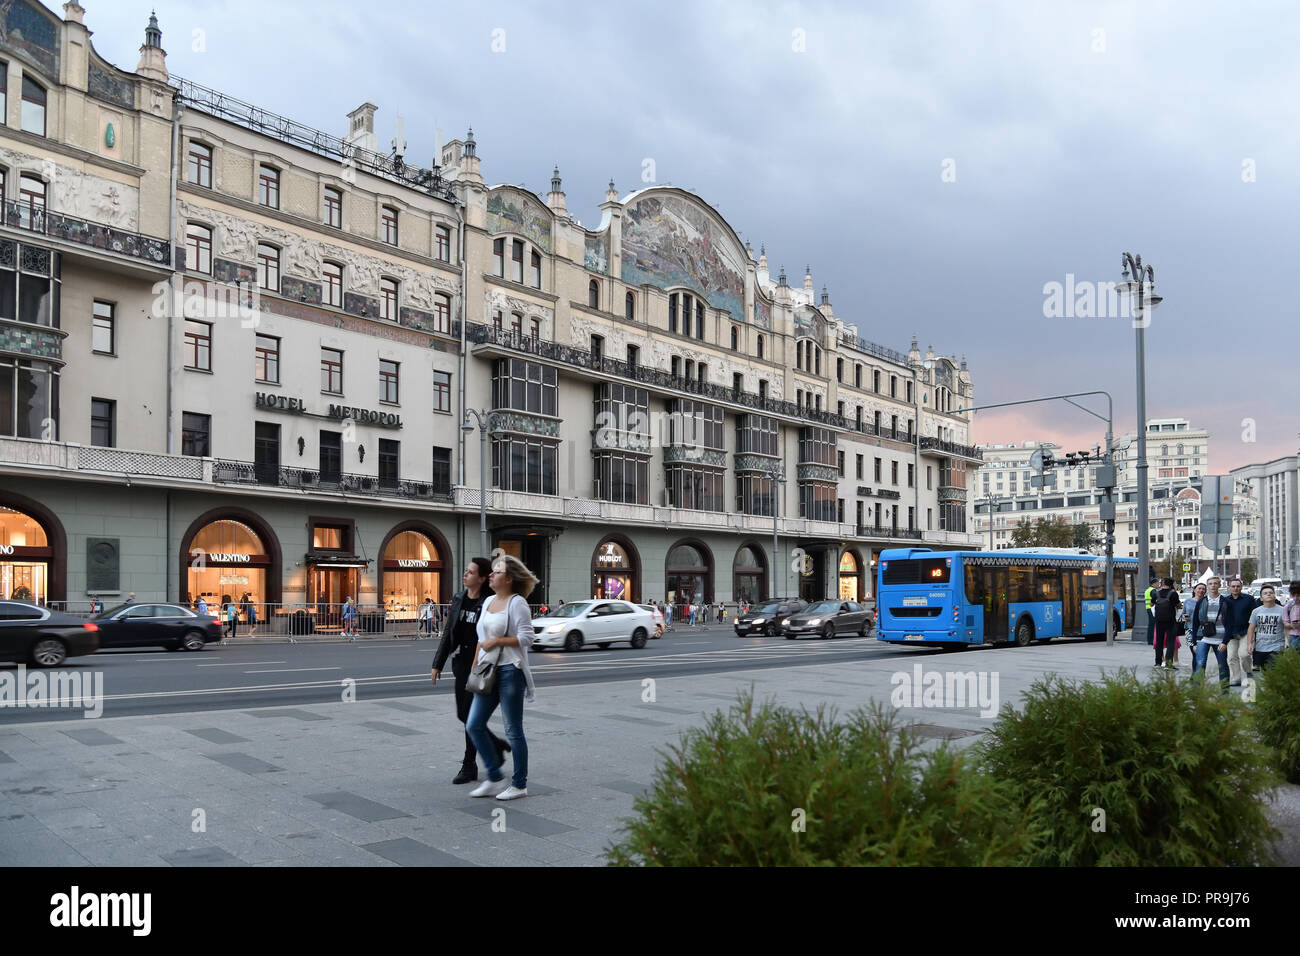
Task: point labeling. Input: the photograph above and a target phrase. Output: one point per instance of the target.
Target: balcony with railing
(951, 448)
(54, 225)
(519, 343)
(871, 348)
(888, 531)
(225, 471)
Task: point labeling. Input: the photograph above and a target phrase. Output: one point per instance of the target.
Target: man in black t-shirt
(459, 642)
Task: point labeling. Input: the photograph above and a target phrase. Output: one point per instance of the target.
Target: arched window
(689, 574)
(593, 294)
(760, 346)
(839, 370)
(332, 283)
(268, 267)
(535, 269)
(199, 167)
(735, 338)
(198, 248)
(857, 374)
(388, 225)
(749, 575)
(629, 306)
(31, 196)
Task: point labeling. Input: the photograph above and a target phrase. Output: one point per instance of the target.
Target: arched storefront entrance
(616, 570)
(688, 572)
(749, 575)
(32, 552)
(853, 587)
(227, 554)
(412, 568)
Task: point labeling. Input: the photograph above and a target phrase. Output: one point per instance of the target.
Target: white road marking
(291, 670)
(241, 664)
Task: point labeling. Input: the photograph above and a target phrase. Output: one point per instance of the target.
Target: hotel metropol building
(241, 356)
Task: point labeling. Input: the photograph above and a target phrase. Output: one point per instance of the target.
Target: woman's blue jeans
(509, 693)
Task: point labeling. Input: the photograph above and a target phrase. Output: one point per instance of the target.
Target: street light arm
(1110, 404)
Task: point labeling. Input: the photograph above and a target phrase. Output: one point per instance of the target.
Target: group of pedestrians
(1243, 632)
(230, 613)
(693, 614)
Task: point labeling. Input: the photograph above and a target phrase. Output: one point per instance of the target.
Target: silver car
(593, 622)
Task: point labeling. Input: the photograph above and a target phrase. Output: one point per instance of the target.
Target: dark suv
(766, 618)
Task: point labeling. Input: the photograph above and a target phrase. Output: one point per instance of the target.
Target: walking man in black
(459, 642)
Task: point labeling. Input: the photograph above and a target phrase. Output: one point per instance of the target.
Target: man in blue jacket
(1236, 622)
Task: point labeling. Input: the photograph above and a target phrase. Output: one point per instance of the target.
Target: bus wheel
(1024, 633)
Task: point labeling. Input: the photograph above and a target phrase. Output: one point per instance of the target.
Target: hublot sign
(338, 413)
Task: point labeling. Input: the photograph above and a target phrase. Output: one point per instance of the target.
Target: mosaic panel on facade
(762, 312)
(223, 270)
(594, 254)
(511, 211)
(300, 289)
(669, 241)
(808, 321)
(33, 31)
(36, 342)
(107, 85)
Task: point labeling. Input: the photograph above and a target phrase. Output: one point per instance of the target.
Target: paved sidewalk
(368, 783)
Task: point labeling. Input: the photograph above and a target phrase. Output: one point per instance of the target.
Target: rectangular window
(893, 472)
(198, 345)
(331, 371)
(536, 269)
(198, 248)
(388, 225)
(878, 470)
(331, 469)
(267, 359)
(268, 267)
(911, 475)
(196, 434)
(390, 454)
(103, 422)
(524, 386)
(33, 112)
(860, 463)
(524, 464)
(266, 452)
(103, 328)
(839, 462)
(441, 471)
(388, 299)
(388, 382)
(332, 284)
(517, 261)
(442, 313)
(442, 392)
(333, 207)
(442, 243)
(199, 167)
(929, 478)
(268, 186)
(499, 257)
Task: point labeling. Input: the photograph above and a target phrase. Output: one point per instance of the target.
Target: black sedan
(42, 637)
(766, 618)
(826, 619)
(157, 625)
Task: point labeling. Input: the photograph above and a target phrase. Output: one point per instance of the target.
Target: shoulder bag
(483, 675)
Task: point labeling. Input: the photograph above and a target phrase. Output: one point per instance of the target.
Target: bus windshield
(918, 571)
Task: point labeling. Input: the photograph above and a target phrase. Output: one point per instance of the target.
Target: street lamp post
(775, 473)
(991, 501)
(1137, 278)
(484, 420)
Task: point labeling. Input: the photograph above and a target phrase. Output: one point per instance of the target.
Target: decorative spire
(470, 145)
(555, 180)
(826, 298)
(780, 279)
(153, 35)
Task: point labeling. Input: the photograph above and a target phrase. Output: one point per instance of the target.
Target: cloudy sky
(937, 164)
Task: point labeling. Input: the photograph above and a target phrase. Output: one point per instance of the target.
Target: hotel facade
(240, 356)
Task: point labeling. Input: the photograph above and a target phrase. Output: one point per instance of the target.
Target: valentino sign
(337, 413)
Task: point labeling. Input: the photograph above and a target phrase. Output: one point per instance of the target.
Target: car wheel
(1024, 633)
(573, 642)
(603, 645)
(49, 652)
(193, 641)
(828, 632)
(789, 637)
(638, 638)
(865, 630)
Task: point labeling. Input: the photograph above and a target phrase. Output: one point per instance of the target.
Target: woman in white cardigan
(505, 622)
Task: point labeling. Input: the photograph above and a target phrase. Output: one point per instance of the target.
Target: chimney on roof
(153, 58)
(361, 128)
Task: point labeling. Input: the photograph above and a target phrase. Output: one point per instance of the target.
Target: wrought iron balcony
(951, 448)
(250, 473)
(580, 358)
(871, 348)
(38, 219)
(880, 531)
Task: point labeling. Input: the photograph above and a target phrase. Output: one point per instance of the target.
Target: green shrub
(1175, 767)
(729, 794)
(1277, 712)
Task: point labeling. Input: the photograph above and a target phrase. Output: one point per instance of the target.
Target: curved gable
(670, 240)
(510, 209)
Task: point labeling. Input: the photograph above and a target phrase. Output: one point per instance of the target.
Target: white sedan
(593, 622)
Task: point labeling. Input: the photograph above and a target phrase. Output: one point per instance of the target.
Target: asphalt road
(241, 676)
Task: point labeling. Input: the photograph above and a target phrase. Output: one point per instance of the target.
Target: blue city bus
(957, 598)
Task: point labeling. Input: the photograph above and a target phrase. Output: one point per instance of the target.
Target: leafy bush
(1277, 712)
(1175, 767)
(730, 794)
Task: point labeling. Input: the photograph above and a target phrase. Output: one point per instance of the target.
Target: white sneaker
(488, 788)
(512, 793)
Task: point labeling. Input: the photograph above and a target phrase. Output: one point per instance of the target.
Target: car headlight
(814, 622)
(786, 622)
(555, 629)
(758, 620)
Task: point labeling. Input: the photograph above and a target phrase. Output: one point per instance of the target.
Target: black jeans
(461, 663)
(1164, 637)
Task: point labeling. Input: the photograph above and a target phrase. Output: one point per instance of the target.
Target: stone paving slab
(368, 783)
